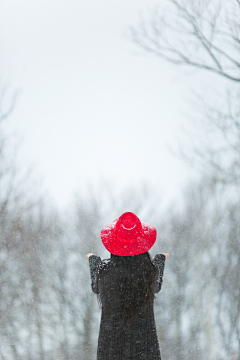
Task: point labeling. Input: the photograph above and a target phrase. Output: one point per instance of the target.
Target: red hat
(128, 236)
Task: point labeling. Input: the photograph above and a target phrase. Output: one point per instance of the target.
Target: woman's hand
(88, 255)
(166, 255)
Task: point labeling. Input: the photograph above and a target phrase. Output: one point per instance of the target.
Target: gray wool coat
(118, 341)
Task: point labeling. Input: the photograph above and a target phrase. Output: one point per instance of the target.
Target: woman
(125, 285)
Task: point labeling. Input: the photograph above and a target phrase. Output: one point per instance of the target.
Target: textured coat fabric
(118, 341)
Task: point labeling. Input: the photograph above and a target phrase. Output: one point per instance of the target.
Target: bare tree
(197, 312)
(19, 240)
(204, 35)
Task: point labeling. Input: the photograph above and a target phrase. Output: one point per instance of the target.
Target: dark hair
(134, 278)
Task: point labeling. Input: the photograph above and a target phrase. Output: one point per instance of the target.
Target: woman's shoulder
(159, 260)
(104, 264)
(158, 257)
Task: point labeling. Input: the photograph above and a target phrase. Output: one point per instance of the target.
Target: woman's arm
(94, 260)
(159, 259)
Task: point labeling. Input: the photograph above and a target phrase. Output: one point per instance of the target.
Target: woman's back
(128, 280)
(127, 330)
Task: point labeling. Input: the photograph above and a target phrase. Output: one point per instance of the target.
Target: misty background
(112, 107)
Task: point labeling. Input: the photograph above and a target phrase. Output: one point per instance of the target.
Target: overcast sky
(91, 106)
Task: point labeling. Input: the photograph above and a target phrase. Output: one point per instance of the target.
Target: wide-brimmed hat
(128, 236)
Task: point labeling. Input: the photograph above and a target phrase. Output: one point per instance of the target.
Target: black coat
(117, 341)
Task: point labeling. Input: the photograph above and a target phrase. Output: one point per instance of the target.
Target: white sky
(91, 106)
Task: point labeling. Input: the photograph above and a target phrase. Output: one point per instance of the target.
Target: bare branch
(192, 31)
